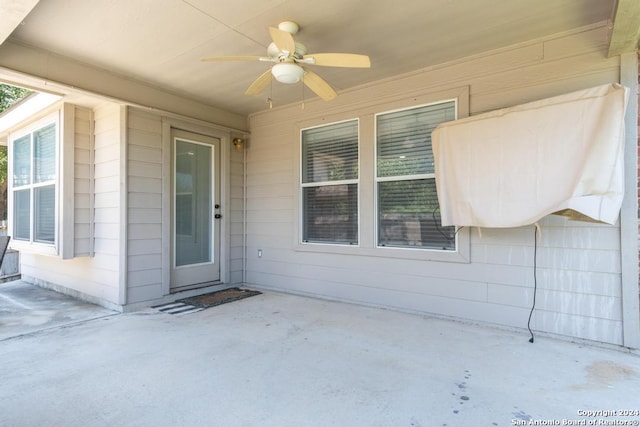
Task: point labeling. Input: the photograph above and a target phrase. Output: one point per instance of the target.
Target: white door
(195, 207)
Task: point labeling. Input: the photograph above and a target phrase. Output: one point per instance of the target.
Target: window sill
(33, 248)
(460, 256)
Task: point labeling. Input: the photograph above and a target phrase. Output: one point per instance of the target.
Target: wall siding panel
(144, 209)
(148, 171)
(578, 276)
(94, 272)
(83, 166)
(237, 206)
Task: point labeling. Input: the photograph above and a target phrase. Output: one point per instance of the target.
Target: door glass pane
(44, 147)
(21, 214)
(45, 217)
(193, 185)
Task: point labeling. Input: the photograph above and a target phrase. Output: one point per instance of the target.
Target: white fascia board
(23, 110)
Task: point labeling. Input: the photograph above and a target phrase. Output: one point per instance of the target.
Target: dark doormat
(219, 297)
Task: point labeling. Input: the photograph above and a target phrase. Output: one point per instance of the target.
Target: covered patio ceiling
(103, 45)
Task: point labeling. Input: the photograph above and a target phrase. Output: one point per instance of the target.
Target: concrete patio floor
(284, 360)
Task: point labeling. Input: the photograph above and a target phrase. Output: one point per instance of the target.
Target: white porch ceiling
(161, 42)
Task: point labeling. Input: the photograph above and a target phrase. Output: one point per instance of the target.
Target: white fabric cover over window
(511, 167)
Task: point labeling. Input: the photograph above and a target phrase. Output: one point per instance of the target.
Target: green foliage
(400, 166)
(9, 95)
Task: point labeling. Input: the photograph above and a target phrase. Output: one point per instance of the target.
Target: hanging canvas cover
(511, 167)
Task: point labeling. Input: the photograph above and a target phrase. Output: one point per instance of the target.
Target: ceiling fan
(289, 57)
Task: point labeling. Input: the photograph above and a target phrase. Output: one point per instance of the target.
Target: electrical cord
(535, 279)
(535, 264)
(435, 222)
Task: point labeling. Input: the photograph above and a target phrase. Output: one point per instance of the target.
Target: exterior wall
(95, 278)
(579, 265)
(148, 174)
(237, 204)
(121, 239)
(83, 182)
(144, 206)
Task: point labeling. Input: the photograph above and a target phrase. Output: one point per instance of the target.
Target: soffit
(160, 43)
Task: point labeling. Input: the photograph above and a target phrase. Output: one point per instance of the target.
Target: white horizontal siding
(95, 277)
(144, 206)
(237, 205)
(83, 197)
(578, 264)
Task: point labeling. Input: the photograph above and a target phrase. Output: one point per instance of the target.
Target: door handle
(217, 216)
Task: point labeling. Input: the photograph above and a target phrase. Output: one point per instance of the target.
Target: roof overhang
(625, 34)
(13, 13)
(23, 110)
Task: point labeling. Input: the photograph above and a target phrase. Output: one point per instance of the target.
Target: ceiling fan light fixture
(289, 26)
(287, 72)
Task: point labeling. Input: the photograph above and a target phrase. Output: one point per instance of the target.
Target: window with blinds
(330, 183)
(34, 185)
(407, 203)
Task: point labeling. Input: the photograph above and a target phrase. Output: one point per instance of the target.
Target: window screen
(44, 143)
(330, 183)
(22, 161)
(44, 214)
(21, 214)
(407, 202)
(34, 186)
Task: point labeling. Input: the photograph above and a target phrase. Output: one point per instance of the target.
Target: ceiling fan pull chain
(302, 85)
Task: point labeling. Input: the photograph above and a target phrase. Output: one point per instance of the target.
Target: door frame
(224, 135)
(206, 273)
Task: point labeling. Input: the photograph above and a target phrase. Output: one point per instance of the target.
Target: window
(330, 184)
(34, 185)
(367, 180)
(407, 203)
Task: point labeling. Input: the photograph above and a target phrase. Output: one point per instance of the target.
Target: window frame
(365, 112)
(302, 185)
(396, 178)
(62, 115)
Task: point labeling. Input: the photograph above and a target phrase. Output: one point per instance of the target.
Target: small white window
(330, 184)
(33, 182)
(407, 203)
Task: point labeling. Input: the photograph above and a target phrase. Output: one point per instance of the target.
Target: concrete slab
(283, 360)
(25, 308)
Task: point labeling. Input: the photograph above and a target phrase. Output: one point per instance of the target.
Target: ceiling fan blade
(233, 58)
(350, 60)
(318, 85)
(282, 39)
(260, 83)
